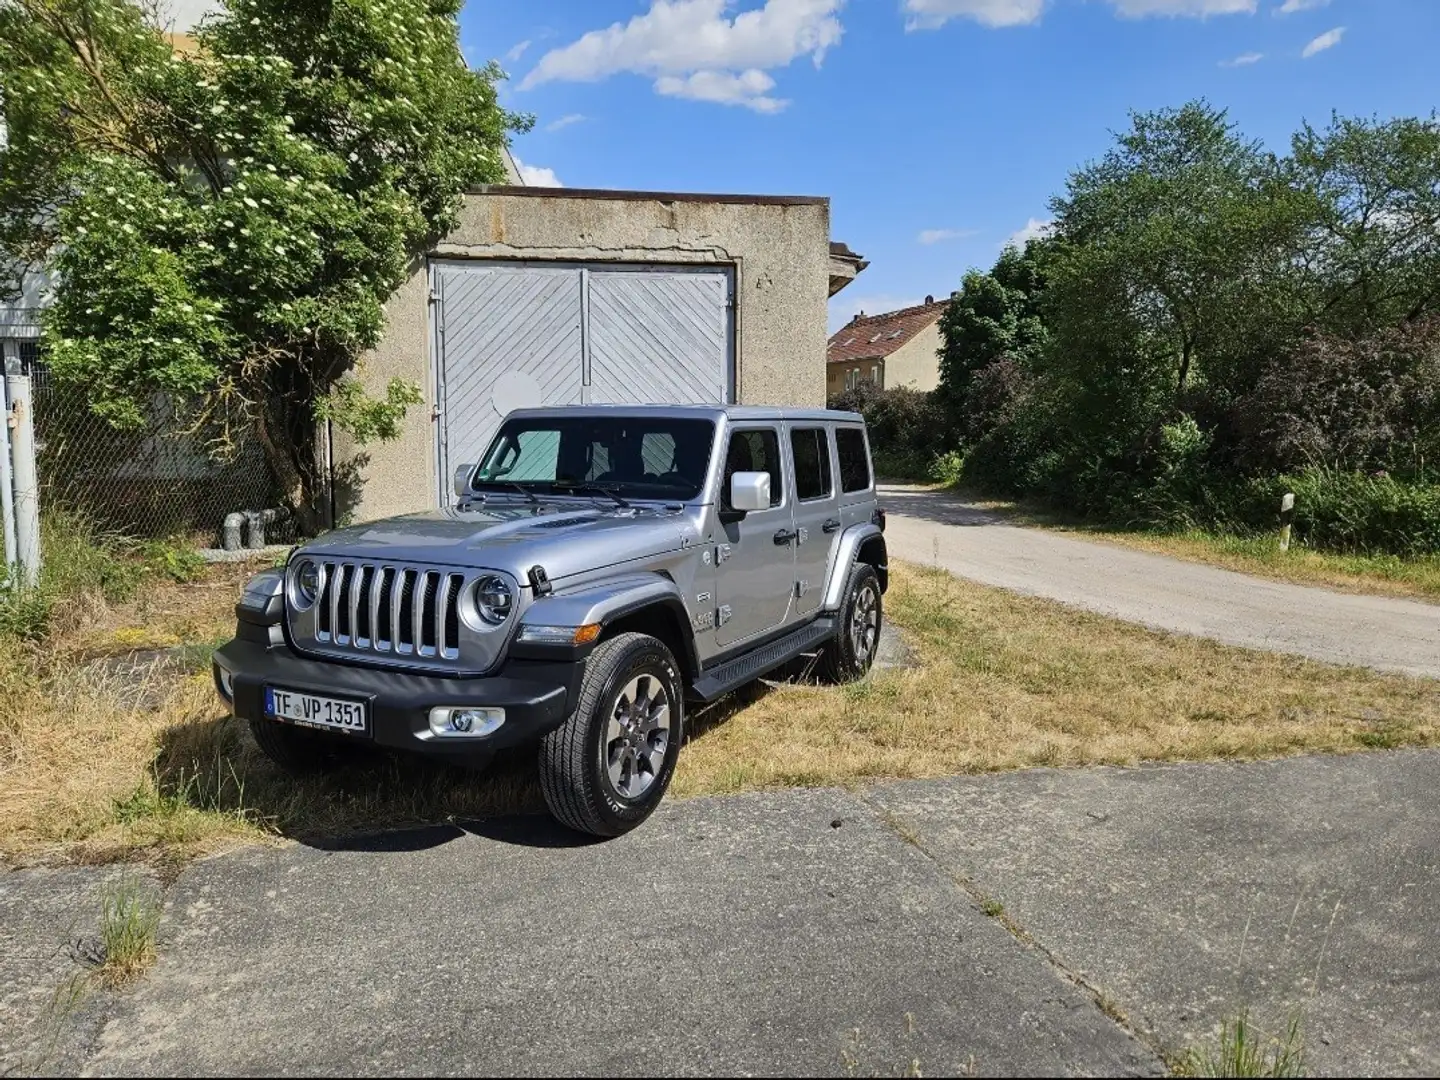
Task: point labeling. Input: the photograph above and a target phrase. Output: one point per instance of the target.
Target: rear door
(817, 512)
(857, 485)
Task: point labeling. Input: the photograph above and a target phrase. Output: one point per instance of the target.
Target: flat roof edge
(648, 196)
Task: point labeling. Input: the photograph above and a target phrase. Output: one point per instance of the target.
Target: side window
(854, 461)
(811, 447)
(757, 450)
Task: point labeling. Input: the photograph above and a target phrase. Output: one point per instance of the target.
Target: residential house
(900, 348)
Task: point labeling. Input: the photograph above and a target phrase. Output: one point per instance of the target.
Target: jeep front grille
(389, 610)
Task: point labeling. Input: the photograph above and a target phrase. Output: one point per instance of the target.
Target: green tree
(1372, 256)
(227, 223)
(1177, 254)
(994, 315)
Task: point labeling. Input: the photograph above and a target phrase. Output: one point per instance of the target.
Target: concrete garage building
(556, 295)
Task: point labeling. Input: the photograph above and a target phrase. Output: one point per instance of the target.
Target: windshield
(632, 457)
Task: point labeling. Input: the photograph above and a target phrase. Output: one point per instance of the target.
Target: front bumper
(537, 696)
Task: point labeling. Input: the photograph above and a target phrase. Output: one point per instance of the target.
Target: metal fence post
(7, 487)
(27, 487)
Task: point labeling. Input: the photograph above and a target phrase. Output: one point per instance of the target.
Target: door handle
(785, 536)
(831, 526)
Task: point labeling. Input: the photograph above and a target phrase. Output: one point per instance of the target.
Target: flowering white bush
(227, 223)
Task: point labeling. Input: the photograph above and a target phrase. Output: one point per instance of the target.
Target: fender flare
(610, 601)
(852, 542)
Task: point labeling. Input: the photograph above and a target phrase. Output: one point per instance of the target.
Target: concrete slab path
(815, 932)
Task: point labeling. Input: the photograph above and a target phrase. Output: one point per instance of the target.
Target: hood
(565, 539)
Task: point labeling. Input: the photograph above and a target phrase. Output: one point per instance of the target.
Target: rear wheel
(851, 652)
(608, 766)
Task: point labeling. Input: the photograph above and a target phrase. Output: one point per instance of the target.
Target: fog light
(462, 723)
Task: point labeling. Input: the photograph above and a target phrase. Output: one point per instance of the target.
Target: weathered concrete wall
(779, 248)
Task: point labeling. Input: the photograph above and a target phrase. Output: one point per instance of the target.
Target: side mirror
(750, 491)
(463, 475)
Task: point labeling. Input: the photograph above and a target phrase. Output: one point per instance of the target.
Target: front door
(817, 514)
(754, 573)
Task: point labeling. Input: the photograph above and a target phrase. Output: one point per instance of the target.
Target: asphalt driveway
(937, 528)
(795, 932)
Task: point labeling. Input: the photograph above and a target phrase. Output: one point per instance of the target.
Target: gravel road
(935, 528)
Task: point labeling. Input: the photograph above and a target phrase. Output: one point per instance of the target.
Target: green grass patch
(129, 921)
(1245, 1050)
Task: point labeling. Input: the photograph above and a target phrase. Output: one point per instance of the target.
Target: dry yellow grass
(100, 763)
(1008, 681)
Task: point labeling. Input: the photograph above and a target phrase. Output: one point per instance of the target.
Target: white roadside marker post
(1287, 519)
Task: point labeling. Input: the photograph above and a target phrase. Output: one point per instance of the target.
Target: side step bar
(719, 680)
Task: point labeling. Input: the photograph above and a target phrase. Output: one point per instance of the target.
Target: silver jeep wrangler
(602, 567)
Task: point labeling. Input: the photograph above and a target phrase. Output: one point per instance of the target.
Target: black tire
(849, 655)
(576, 759)
(295, 749)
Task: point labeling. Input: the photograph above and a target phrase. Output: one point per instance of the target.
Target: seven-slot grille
(381, 609)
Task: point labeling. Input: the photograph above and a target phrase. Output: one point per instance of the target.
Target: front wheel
(298, 751)
(851, 652)
(607, 767)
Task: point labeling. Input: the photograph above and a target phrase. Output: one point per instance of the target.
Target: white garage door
(515, 334)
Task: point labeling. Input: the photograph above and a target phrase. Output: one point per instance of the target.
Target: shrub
(175, 559)
(908, 428)
(1373, 514)
(948, 468)
(1342, 403)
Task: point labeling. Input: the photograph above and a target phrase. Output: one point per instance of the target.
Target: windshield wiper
(603, 489)
(529, 495)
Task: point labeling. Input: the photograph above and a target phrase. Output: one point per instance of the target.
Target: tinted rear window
(812, 463)
(854, 461)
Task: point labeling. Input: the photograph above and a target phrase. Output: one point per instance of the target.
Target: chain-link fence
(157, 482)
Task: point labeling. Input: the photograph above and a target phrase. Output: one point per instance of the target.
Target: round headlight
(494, 599)
(307, 583)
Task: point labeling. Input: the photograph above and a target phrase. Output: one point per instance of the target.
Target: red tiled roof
(874, 337)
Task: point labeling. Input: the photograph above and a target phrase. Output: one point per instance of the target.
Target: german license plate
(310, 710)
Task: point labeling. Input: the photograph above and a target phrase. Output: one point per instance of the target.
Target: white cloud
(693, 50)
(1195, 9)
(932, 14)
(186, 14)
(518, 51)
(1243, 60)
(1290, 7)
(565, 121)
(1327, 40)
(940, 236)
(1034, 229)
(750, 89)
(534, 176)
(845, 307)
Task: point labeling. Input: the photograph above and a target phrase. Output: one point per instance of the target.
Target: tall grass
(129, 921)
(1246, 1051)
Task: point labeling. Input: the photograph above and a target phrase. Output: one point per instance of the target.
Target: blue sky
(951, 121)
